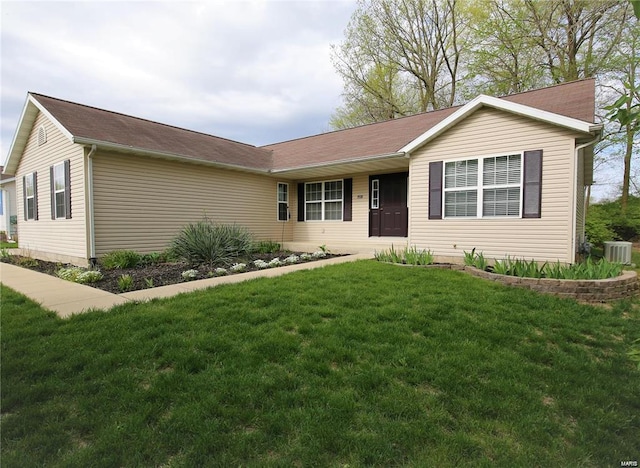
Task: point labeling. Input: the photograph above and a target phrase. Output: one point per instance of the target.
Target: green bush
(208, 242)
(605, 221)
(266, 247)
(120, 259)
(79, 275)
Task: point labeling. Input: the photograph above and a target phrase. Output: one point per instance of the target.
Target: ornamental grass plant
(207, 242)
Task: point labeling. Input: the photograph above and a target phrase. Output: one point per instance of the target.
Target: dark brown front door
(388, 212)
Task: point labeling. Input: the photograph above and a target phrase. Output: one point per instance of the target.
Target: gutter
(159, 154)
(91, 217)
(575, 178)
(341, 162)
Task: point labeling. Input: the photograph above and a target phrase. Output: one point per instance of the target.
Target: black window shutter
(35, 196)
(24, 195)
(435, 190)
(53, 194)
(67, 188)
(347, 188)
(532, 186)
(301, 202)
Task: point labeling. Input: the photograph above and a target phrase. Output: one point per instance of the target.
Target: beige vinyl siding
(61, 238)
(141, 203)
(490, 132)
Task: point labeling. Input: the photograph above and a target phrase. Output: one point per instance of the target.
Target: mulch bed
(161, 274)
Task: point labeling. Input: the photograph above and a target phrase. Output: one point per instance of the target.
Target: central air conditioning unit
(619, 252)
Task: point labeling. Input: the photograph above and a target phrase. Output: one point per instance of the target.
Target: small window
(323, 201)
(283, 202)
(42, 135)
(59, 189)
(30, 196)
(375, 194)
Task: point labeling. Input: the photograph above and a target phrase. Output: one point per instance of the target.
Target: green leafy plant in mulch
(207, 242)
(118, 259)
(589, 269)
(475, 259)
(359, 364)
(79, 275)
(265, 247)
(125, 282)
(408, 255)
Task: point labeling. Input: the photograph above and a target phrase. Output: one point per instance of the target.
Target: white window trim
(57, 191)
(323, 201)
(375, 194)
(479, 187)
(278, 201)
(31, 177)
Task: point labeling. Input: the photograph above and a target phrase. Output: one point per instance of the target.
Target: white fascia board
(397, 155)
(507, 106)
(25, 125)
(105, 145)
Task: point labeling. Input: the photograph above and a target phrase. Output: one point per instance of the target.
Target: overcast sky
(254, 71)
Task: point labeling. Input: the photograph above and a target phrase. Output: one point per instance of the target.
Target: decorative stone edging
(612, 289)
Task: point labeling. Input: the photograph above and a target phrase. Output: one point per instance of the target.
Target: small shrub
(275, 263)
(469, 257)
(149, 282)
(189, 275)
(153, 258)
(319, 254)
(4, 254)
(266, 247)
(207, 242)
(305, 257)
(120, 259)
(220, 272)
(238, 267)
(125, 282)
(89, 276)
(26, 262)
(261, 264)
(475, 259)
(291, 259)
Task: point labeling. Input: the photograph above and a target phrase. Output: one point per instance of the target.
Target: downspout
(92, 235)
(575, 178)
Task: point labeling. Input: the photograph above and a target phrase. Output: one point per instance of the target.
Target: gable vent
(42, 135)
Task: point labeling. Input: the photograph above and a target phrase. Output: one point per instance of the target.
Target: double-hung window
(59, 189)
(501, 185)
(461, 188)
(483, 187)
(30, 211)
(323, 201)
(283, 201)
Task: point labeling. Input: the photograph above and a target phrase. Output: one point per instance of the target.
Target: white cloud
(200, 65)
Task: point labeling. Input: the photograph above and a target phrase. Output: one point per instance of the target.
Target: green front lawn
(361, 364)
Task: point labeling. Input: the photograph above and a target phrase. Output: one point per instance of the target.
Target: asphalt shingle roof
(575, 99)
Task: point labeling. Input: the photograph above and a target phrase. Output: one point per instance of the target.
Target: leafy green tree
(625, 111)
(400, 57)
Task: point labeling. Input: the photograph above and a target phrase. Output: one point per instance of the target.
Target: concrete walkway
(67, 298)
